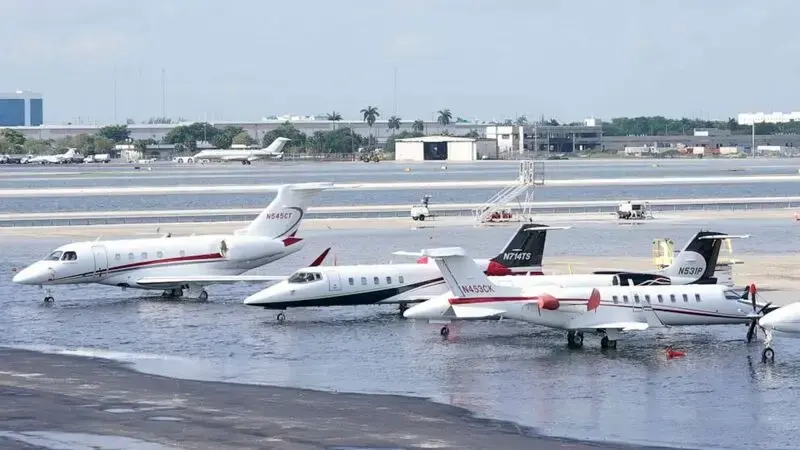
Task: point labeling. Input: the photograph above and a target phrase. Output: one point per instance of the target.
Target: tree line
(342, 139)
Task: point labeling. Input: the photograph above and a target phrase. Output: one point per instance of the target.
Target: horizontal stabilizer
(725, 236)
(168, 282)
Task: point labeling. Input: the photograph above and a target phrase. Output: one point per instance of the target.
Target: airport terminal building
(21, 109)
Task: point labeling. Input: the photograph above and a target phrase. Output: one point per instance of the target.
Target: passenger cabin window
(183, 253)
(160, 254)
(400, 278)
(144, 255)
(117, 256)
(625, 298)
(388, 280)
(660, 298)
(615, 299)
(130, 255)
(636, 298)
(351, 281)
(685, 298)
(376, 280)
(55, 256)
(69, 256)
(363, 281)
(697, 297)
(672, 298)
(647, 298)
(304, 277)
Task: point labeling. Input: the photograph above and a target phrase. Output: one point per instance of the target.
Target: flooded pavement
(720, 396)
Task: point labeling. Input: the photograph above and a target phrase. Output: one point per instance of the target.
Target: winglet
(594, 300)
(320, 258)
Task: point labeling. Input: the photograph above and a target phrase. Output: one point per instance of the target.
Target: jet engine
(547, 301)
(248, 248)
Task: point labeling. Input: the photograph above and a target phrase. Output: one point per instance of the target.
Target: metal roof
(440, 138)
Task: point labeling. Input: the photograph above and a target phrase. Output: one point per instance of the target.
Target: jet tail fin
(698, 260)
(524, 252)
(463, 276)
(276, 147)
(282, 217)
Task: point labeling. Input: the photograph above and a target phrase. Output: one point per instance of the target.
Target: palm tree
(370, 114)
(418, 126)
(444, 117)
(394, 124)
(334, 117)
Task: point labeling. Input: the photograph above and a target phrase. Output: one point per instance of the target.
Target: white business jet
(607, 310)
(183, 265)
(246, 156)
(775, 321)
(51, 159)
(405, 284)
(399, 284)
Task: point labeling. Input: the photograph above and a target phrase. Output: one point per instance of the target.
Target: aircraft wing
(473, 312)
(170, 282)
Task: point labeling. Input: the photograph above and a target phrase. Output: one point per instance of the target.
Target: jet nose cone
(28, 275)
(430, 309)
(263, 297)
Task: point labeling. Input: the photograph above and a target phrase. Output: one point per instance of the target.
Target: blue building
(21, 108)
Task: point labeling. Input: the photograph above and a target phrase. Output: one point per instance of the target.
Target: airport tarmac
(398, 223)
(54, 398)
(719, 397)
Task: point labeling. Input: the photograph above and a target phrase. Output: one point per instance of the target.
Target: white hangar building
(444, 148)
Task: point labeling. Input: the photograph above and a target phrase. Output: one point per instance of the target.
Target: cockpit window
(304, 277)
(55, 256)
(69, 256)
(732, 295)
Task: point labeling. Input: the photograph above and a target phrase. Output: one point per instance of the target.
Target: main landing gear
(574, 339)
(445, 331)
(199, 294)
(402, 307)
(605, 342)
(280, 317)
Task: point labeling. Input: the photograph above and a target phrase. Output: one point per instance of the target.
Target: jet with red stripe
(608, 310)
(183, 265)
(399, 284)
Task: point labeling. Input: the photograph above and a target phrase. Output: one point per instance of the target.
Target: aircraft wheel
(605, 342)
(281, 317)
(422, 218)
(768, 355)
(574, 340)
(244, 163)
(203, 296)
(49, 299)
(444, 331)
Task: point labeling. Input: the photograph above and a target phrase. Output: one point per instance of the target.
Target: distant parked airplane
(246, 156)
(50, 159)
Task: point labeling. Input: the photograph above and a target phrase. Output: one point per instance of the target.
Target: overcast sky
(488, 59)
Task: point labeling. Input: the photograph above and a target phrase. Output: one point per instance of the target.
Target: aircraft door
(334, 281)
(100, 260)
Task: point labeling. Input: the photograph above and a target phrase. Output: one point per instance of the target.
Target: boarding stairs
(531, 174)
